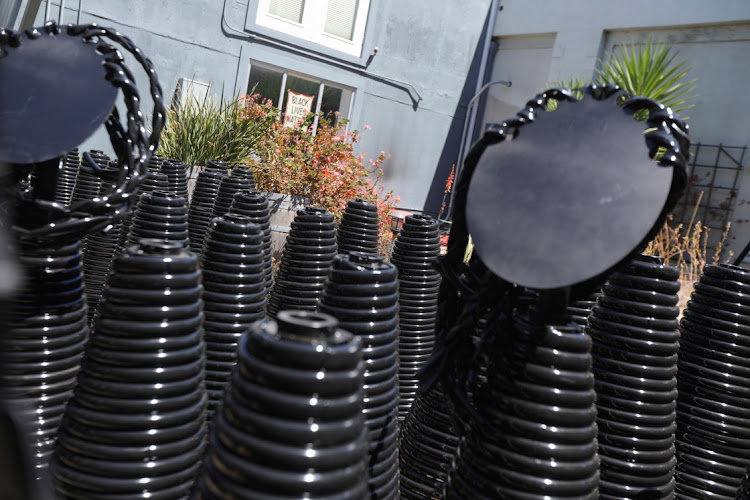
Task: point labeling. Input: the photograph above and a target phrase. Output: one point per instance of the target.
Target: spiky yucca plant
(211, 128)
(650, 70)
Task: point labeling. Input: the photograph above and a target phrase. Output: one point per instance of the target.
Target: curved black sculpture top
(53, 95)
(57, 86)
(569, 194)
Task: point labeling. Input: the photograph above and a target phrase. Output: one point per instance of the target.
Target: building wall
(546, 41)
(412, 93)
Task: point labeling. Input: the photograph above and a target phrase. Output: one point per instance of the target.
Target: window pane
(340, 18)
(288, 9)
(303, 86)
(266, 82)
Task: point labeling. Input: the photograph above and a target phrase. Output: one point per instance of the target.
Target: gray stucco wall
(432, 47)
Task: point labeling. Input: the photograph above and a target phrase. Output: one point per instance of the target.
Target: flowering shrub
(322, 167)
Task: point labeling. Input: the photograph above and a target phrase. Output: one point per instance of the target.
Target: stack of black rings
(291, 424)
(634, 330)
(362, 292)
(308, 254)
(136, 424)
(713, 380)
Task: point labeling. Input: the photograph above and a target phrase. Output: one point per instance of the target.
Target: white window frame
(312, 26)
(321, 88)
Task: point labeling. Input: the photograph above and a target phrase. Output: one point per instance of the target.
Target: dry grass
(686, 247)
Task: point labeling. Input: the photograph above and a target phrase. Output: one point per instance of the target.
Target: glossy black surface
(358, 228)
(202, 206)
(632, 192)
(372, 313)
(635, 368)
(161, 215)
(535, 435)
(227, 188)
(308, 254)
(43, 346)
(176, 173)
(254, 204)
(414, 253)
(136, 423)
(713, 428)
(80, 89)
(291, 425)
(233, 298)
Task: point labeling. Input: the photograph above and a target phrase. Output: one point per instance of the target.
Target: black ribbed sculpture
(358, 229)
(234, 295)
(535, 435)
(66, 179)
(427, 446)
(176, 173)
(101, 247)
(136, 424)
(743, 493)
(291, 425)
(160, 215)
(713, 383)
(414, 253)
(154, 181)
(88, 185)
(254, 204)
(47, 328)
(217, 166)
(308, 254)
(201, 207)
(362, 292)
(244, 173)
(227, 189)
(635, 343)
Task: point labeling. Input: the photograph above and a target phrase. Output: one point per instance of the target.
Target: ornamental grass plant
(211, 128)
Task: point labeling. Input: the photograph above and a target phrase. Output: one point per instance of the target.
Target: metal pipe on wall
(492, 19)
(46, 10)
(62, 11)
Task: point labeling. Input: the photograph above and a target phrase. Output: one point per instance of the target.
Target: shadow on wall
(449, 155)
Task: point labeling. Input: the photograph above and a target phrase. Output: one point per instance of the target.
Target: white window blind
(340, 18)
(288, 9)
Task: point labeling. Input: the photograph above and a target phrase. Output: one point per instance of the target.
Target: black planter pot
(254, 204)
(136, 424)
(427, 446)
(362, 292)
(66, 179)
(536, 432)
(227, 189)
(160, 215)
(47, 330)
(414, 251)
(234, 295)
(202, 206)
(176, 173)
(358, 228)
(307, 257)
(635, 371)
(291, 425)
(713, 383)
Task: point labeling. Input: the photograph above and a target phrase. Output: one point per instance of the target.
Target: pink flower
(367, 127)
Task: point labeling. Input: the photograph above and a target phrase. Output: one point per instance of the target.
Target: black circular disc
(53, 95)
(568, 198)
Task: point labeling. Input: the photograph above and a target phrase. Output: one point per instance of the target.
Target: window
(337, 24)
(274, 84)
